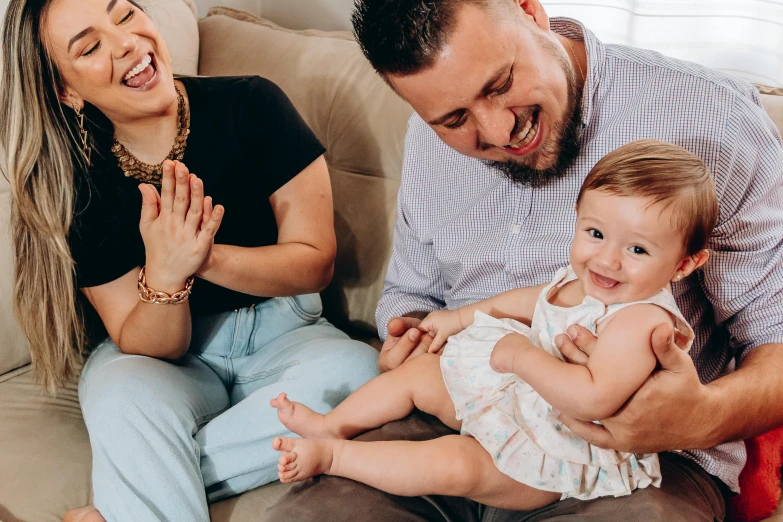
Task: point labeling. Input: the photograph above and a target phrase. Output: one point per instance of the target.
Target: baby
(644, 216)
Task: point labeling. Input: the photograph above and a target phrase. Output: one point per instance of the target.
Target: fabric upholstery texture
(44, 448)
(359, 119)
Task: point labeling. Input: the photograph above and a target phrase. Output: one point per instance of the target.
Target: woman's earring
(83, 133)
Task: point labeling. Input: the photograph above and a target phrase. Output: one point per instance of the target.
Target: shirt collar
(596, 54)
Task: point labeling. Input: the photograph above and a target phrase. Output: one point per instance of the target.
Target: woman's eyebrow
(85, 32)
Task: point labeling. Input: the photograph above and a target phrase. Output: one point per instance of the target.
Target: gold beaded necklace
(145, 172)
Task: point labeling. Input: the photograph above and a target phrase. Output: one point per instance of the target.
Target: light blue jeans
(169, 437)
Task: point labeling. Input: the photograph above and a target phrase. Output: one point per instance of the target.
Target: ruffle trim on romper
(521, 432)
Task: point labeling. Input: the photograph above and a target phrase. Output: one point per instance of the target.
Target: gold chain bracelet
(148, 295)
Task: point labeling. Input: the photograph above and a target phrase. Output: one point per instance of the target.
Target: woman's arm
(141, 328)
(177, 235)
(302, 261)
(622, 360)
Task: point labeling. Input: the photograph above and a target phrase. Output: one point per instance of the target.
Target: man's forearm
(749, 401)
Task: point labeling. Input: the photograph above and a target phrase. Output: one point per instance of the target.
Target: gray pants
(687, 494)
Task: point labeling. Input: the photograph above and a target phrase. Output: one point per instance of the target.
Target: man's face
(502, 90)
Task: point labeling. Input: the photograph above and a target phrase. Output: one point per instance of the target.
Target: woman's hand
(440, 325)
(177, 236)
(508, 349)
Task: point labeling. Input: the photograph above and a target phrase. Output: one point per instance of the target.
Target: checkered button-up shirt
(465, 233)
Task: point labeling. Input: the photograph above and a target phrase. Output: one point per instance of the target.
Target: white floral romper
(518, 428)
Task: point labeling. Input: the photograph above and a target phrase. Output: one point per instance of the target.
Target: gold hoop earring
(82, 133)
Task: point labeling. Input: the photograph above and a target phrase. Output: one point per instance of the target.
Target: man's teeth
(142, 65)
(526, 135)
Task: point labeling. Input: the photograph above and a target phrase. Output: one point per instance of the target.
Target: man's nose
(494, 126)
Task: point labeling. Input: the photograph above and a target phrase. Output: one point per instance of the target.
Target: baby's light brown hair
(666, 173)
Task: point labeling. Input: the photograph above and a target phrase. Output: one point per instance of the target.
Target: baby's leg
(390, 396)
(453, 465)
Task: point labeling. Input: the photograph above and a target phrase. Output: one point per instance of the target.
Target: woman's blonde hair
(665, 173)
(42, 150)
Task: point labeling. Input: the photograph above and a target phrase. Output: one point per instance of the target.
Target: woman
(176, 399)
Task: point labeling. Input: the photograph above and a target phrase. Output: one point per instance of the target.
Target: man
(512, 112)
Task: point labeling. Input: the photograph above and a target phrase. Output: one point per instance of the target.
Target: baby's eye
(638, 250)
(595, 233)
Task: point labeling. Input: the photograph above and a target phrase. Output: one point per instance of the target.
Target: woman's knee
(351, 361)
(128, 391)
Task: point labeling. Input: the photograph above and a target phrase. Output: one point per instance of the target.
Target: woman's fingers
(181, 190)
(208, 231)
(167, 185)
(207, 213)
(149, 204)
(194, 218)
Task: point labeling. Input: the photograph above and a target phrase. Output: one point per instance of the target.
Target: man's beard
(567, 144)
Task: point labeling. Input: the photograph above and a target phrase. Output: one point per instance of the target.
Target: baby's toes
(285, 444)
(287, 461)
(287, 476)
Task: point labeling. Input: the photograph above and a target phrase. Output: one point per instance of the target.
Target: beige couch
(44, 448)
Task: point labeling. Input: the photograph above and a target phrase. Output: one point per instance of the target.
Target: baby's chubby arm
(622, 361)
(518, 304)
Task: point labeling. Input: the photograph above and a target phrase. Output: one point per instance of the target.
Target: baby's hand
(440, 325)
(506, 350)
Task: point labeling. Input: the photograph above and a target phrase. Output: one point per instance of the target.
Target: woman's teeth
(527, 133)
(142, 65)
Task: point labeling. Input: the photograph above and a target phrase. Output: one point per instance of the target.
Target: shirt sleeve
(104, 239)
(744, 276)
(271, 126)
(413, 281)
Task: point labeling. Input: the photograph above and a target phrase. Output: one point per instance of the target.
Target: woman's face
(109, 54)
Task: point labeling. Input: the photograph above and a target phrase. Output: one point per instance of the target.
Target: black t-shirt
(246, 141)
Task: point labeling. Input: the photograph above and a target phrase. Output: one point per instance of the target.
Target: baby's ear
(690, 263)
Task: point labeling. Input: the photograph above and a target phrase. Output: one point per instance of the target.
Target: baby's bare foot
(303, 458)
(302, 420)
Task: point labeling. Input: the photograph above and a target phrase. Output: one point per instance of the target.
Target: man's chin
(536, 176)
(550, 163)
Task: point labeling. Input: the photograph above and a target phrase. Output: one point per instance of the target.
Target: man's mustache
(518, 124)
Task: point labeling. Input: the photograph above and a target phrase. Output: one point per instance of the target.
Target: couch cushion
(772, 100)
(356, 116)
(44, 452)
(14, 352)
(177, 22)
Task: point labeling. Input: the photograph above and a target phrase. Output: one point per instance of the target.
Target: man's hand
(670, 411)
(403, 341)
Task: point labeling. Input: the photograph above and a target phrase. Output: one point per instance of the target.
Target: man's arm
(750, 400)
(414, 285)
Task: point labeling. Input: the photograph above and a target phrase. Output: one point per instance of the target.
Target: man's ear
(689, 264)
(535, 11)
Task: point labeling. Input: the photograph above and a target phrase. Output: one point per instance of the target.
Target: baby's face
(625, 248)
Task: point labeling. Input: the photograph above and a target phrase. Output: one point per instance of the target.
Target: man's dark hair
(402, 37)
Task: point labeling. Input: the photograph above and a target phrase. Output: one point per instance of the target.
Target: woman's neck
(150, 140)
